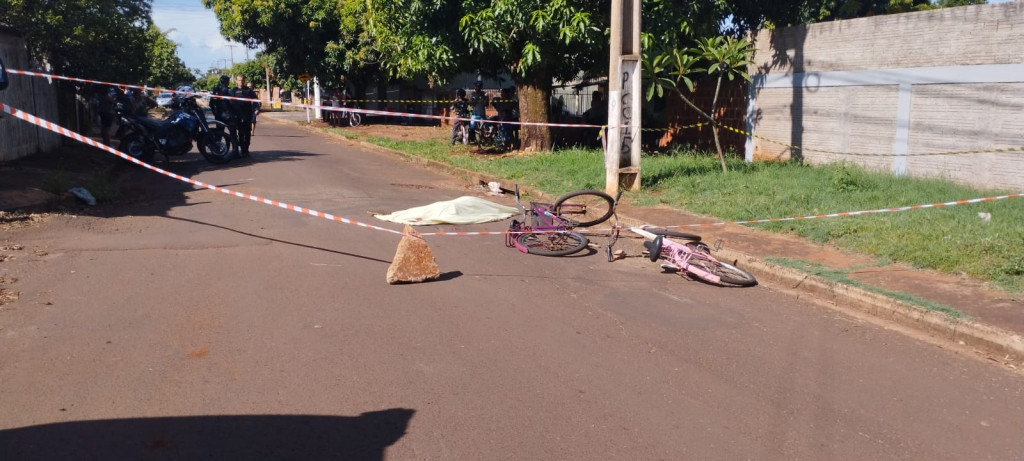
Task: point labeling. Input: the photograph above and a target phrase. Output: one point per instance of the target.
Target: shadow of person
(228, 437)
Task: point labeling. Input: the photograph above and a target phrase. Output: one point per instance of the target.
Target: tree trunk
(714, 126)
(534, 107)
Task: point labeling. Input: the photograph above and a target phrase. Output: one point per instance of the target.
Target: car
(164, 99)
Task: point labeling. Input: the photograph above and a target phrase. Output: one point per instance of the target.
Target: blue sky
(196, 31)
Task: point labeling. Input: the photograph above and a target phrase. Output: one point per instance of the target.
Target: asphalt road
(189, 323)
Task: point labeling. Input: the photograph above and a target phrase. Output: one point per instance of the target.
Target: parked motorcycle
(187, 124)
(489, 133)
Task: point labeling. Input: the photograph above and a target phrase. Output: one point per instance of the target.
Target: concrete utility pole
(232, 48)
(622, 152)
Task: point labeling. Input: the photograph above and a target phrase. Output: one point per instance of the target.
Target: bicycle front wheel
(553, 244)
(727, 273)
(584, 207)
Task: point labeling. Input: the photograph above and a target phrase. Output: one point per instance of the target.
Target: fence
(38, 96)
(890, 92)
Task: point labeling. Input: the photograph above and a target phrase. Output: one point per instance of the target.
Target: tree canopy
(111, 40)
(96, 39)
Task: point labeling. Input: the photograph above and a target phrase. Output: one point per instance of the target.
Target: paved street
(190, 323)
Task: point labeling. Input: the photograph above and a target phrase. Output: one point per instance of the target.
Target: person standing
(479, 100)
(221, 107)
(460, 111)
(244, 113)
(105, 109)
(255, 109)
(507, 106)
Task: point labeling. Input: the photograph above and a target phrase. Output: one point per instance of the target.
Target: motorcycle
(144, 137)
(491, 133)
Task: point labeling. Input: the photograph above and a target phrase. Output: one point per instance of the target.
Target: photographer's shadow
(249, 437)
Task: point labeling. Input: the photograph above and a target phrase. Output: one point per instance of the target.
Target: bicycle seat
(654, 248)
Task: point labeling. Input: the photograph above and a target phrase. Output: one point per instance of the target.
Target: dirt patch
(20, 220)
(399, 132)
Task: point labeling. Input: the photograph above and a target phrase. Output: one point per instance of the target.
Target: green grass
(842, 276)
(948, 239)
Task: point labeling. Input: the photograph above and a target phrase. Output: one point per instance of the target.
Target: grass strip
(957, 240)
(842, 276)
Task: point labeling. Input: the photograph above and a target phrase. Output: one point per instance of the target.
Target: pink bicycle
(693, 257)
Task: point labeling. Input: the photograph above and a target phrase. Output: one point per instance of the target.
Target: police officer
(221, 107)
(244, 112)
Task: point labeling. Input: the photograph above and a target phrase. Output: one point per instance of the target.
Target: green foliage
(165, 67)
(558, 38)
(726, 56)
(416, 38)
(96, 39)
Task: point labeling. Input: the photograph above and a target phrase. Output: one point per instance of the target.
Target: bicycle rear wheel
(727, 273)
(584, 208)
(553, 244)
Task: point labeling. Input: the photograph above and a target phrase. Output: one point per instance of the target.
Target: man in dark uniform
(244, 112)
(221, 107)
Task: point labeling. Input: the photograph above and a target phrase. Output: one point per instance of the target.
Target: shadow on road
(298, 437)
(311, 247)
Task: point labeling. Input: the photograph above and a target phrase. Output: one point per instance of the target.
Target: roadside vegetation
(954, 239)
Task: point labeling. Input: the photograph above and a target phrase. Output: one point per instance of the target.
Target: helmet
(460, 93)
(225, 79)
(479, 83)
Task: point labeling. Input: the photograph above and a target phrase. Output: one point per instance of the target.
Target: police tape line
(18, 113)
(70, 134)
(559, 125)
(761, 221)
(306, 106)
(853, 213)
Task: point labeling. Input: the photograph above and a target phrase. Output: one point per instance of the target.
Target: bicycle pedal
(669, 268)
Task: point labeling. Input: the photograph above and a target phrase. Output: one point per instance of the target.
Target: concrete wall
(32, 95)
(890, 91)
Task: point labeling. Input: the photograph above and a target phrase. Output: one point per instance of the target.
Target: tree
(165, 67)
(96, 39)
(321, 37)
(538, 41)
(535, 41)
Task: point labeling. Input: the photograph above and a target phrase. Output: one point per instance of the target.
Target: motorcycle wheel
(463, 133)
(354, 119)
(135, 146)
(217, 146)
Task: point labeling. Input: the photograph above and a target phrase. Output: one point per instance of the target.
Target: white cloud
(197, 33)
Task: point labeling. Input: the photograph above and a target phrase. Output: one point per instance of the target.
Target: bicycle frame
(544, 221)
(679, 255)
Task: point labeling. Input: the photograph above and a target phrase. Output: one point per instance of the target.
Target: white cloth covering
(463, 210)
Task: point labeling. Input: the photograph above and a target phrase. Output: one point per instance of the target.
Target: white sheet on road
(463, 210)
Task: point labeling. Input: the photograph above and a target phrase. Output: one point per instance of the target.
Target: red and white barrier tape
(68, 133)
(63, 131)
(305, 106)
(852, 213)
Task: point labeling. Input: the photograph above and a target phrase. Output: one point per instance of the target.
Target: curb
(999, 345)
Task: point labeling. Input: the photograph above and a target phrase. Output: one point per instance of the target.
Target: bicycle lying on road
(550, 231)
(693, 257)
